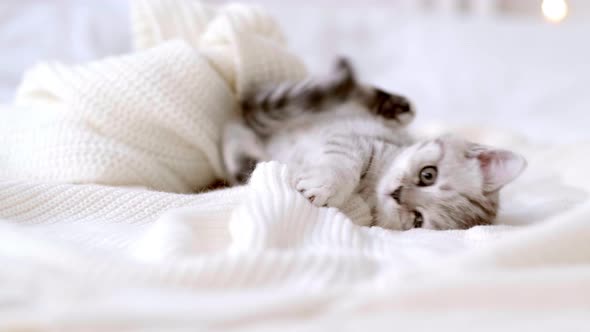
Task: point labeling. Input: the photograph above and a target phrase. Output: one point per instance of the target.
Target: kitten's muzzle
(397, 195)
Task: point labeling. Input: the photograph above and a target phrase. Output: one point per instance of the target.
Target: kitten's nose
(397, 194)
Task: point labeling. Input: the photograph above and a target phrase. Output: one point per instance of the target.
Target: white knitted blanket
(151, 118)
(80, 252)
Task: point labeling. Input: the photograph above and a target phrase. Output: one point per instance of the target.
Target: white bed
(86, 257)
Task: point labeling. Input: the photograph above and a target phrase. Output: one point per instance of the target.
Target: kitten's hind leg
(241, 151)
(342, 86)
(391, 106)
(267, 109)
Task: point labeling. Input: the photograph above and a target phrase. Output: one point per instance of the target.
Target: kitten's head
(446, 183)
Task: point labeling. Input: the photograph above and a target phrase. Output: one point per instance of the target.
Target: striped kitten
(341, 137)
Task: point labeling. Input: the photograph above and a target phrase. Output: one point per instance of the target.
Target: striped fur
(268, 109)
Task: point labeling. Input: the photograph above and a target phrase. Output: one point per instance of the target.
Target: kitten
(341, 137)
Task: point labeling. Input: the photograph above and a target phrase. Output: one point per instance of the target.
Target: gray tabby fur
(341, 137)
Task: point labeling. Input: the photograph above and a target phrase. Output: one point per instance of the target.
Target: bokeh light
(555, 10)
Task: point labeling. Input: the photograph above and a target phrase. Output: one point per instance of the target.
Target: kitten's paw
(321, 188)
(394, 107)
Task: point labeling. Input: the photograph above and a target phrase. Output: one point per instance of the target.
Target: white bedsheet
(260, 257)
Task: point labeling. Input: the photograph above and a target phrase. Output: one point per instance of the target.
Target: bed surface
(126, 258)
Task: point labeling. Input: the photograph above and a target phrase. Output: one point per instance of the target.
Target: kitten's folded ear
(499, 167)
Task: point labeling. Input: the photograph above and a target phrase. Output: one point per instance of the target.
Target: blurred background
(519, 65)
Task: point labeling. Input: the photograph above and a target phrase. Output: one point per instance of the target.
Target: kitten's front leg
(327, 185)
(333, 178)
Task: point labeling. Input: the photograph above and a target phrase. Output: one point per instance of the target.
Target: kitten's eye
(427, 176)
(418, 219)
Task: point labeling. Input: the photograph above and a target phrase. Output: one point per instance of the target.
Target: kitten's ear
(499, 167)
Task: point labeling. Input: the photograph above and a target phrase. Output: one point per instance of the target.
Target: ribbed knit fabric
(152, 118)
(266, 253)
(78, 253)
(262, 235)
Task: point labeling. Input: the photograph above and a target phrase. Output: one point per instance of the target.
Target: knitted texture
(82, 257)
(261, 244)
(152, 118)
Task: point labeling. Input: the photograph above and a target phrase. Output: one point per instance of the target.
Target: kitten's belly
(293, 146)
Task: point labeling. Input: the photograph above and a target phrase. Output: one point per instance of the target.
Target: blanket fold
(78, 250)
(152, 118)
